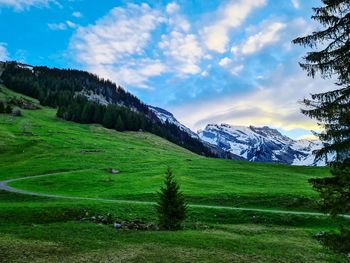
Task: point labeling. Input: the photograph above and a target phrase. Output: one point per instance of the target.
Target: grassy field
(38, 229)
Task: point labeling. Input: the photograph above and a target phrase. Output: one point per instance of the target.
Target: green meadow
(77, 159)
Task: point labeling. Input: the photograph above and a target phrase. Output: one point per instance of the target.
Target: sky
(228, 61)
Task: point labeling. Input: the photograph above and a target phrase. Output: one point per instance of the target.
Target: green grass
(57, 145)
(38, 229)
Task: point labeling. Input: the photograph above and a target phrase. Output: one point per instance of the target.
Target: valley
(79, 157)
(174, 131)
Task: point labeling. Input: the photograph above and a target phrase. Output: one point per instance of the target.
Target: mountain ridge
(262, 144)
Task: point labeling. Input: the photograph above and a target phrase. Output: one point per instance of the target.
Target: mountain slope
(166, 116)
(261, 144)
(85, 98)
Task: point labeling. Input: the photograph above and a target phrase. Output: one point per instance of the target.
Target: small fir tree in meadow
(171, 205)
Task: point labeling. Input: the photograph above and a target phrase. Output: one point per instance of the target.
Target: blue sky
(206, 61)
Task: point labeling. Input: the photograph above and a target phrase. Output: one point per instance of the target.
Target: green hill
(78, 159)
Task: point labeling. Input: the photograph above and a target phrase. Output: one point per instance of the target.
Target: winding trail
(4, 186)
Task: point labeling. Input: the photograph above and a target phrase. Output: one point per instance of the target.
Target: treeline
(64, 89)
(121, 118)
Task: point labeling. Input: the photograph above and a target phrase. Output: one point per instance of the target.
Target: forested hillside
(85, 98)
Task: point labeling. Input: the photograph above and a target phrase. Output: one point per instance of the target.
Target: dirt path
(4, 186)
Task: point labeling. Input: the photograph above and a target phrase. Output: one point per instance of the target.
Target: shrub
(337, 241)
(16, 112)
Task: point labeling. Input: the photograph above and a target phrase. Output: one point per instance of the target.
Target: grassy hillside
(40, 143)
(39, 229)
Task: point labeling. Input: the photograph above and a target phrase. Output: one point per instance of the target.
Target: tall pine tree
(331, 59)
(109, 117)
(119, 125)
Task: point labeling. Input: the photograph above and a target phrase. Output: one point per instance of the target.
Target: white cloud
(57, 26)
(3, 52)
(77, 14)
(231, 66)
(296, 4)
(237, 69)
(133, 72)
(62, 25)
(71, 24)
(225, 61)
(184, 51)
(275, 103)
(230, 15)
(172, 8)
(108, 47)
(254, 43)
(20, 5)
(205, 73)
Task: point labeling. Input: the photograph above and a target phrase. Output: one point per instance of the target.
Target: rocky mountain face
(166, 116)
(263, 144)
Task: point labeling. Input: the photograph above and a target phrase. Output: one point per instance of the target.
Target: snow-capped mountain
(166, 116)
(261, 144)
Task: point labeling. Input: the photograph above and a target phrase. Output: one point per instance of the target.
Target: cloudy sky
(206, 61)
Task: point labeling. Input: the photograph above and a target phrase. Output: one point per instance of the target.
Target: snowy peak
(166, 116)
(261, 144)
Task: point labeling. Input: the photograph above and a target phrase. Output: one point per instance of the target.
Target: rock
(16, 112)
(117, 226)
(113, 171)
(319, 235)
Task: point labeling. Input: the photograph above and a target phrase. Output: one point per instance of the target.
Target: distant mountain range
(255, 144)
(262, 144)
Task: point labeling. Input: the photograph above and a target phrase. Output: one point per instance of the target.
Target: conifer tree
(332, 109)
(2, 107)
(171, 206)
(109, 117)
(119, 125)
(98, 114)
(87, 113)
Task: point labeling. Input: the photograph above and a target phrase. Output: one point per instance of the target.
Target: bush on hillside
(337, 241)
(16, 112)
